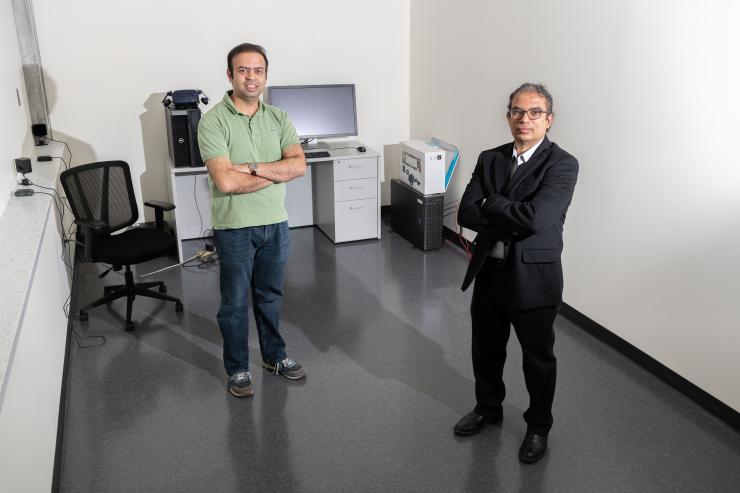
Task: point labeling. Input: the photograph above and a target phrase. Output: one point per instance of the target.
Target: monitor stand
(316, 145)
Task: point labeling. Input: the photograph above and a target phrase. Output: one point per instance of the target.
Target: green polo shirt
(224, 131)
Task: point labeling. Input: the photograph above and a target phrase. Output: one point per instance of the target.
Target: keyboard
(319, 154)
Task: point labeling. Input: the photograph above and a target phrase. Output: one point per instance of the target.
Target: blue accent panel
(448, 176)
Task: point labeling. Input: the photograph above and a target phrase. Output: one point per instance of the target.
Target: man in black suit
(516, 201)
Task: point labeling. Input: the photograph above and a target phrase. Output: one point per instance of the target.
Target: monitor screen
(318, 111)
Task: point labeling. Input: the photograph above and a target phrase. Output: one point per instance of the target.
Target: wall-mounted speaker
(23, 165)
(40, 133)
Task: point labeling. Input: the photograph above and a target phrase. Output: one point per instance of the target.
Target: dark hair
(244, 48)
(529, 87)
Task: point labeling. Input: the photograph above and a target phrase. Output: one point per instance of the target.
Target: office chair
(102, 200)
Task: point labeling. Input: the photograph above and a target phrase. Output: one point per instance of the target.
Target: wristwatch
(253, 169)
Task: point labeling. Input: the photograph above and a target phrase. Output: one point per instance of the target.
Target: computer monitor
(318, 111)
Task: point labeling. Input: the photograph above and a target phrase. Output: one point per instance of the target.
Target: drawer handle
(354, 188)
(355, 208)
(355, 166)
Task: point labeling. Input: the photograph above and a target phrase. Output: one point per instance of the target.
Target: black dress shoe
(473, 422)
(533, 448)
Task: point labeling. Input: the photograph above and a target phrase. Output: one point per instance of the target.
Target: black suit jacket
(527, 213)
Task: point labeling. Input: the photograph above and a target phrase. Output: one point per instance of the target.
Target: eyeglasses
(533, 114)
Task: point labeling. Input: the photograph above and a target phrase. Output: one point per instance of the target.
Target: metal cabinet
(346, 194)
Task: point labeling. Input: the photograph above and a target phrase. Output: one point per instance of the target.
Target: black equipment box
(182, 136)
(417, 217)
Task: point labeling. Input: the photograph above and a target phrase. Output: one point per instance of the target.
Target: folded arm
(237, 178)
(470, 214)
(521, 219)
(229, 178)
(292, 165)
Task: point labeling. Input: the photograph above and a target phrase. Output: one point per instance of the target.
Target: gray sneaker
(240, 384)
(287, 368)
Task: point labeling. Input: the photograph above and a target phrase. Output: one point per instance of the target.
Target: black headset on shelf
(185, 99)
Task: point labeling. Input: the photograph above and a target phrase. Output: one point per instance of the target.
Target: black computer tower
(417, 217)
(182, 136)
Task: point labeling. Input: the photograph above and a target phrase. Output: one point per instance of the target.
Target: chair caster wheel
(130, 326)
(83, 316)
(179, 307)
(162, 289)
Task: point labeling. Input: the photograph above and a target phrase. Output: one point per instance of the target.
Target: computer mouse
(361, 149)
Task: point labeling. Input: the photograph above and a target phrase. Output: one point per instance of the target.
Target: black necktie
(514, 166)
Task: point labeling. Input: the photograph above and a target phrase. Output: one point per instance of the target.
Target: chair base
(129, 291)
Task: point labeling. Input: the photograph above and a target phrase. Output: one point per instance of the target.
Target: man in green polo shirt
(250, 149)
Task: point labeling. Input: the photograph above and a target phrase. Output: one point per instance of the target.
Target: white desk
(339, 194)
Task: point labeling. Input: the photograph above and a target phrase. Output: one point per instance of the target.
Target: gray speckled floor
(383, 330)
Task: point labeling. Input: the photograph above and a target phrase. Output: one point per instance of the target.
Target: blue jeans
(251, 258)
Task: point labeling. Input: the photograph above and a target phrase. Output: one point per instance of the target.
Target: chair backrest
(102, 192)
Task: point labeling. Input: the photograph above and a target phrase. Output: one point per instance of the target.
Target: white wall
(108, 66)
(14, 121)
(646, 97)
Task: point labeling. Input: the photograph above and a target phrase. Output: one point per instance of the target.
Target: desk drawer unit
(347, 204)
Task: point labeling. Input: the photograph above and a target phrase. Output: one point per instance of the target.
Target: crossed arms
(487, 212)
(236, 178)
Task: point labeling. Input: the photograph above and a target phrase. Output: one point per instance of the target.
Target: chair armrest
(159, 208)
(88, 228)
(160, 204)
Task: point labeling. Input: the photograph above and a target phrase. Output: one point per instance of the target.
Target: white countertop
(21, 229)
